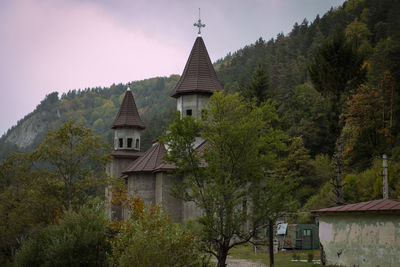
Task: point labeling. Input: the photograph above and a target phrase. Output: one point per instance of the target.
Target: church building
(145, 172)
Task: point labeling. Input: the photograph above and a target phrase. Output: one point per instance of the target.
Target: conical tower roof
(128, 116)
(199, 75)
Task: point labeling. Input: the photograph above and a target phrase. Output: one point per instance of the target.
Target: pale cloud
(67, 46)
(56, 46)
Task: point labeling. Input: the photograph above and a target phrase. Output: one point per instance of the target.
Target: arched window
(121, 142)
(129, 143)
(137, 143)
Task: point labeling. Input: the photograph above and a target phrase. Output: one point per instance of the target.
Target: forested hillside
(95, 108)
(370, 114)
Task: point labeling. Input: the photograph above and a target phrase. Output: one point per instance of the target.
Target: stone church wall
(143, 185)
(171, 205)
(114, 169)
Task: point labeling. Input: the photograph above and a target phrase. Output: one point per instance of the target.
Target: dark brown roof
(199, 75)
(127, 154)
(164, 167)
(151, 159)
(373, 205)
(128, 115)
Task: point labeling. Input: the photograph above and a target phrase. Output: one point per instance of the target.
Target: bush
(79, 240)
(310, 257)
(295, 256)
(149, 238)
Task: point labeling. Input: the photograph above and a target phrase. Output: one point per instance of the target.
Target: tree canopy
(228, 176)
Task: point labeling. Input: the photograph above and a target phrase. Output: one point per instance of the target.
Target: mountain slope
(96, 108)
(374, 23)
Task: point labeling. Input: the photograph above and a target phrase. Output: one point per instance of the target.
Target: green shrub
(149, 238)
(79, 240)
(295, 256)
(310, 257)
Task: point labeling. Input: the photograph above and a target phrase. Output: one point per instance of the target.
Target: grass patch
(282, 259)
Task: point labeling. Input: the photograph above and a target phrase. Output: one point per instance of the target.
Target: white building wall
(194, 102)
(126, 133)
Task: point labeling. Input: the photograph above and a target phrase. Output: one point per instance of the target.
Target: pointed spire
(199, 75)
(128, 116)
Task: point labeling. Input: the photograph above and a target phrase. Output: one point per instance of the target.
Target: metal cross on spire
(199, 24)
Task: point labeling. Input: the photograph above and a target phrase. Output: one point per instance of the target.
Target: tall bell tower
(198, 80)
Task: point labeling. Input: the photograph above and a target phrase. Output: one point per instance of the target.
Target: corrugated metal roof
(128, 115)
(199, 75)
(373, 205)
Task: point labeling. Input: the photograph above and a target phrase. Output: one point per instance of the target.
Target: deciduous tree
(79, 239)
(229, 177)
(77, 158)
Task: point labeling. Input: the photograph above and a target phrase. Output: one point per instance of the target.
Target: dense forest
(370, 111)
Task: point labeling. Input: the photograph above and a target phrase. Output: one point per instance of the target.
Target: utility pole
(385, 177)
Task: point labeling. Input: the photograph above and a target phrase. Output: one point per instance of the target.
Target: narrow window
(129, 144)
(306, 232)
(137, 143)
(188, 112)
(121, 142)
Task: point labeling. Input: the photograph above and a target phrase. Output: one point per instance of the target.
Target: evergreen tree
(335, 69)
(259, 85)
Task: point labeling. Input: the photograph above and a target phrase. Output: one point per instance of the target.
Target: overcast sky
(58, 45)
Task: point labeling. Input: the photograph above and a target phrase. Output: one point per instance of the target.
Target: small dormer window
(121, 142)
(129, 142)
(137, 143)
(188, 112)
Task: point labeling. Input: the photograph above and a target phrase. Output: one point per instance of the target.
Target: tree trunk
(271, 243)
(338, 184)
(391, 117)
(222, 255)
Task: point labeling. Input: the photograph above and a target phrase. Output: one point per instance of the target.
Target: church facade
(145, 172)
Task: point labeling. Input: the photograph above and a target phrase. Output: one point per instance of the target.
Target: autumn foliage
(149, 238)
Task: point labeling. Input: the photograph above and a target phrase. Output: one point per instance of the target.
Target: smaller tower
(127, 126)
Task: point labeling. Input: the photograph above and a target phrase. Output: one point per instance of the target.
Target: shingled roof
(149, 162)
(199, 75)
(380, 205)
(128, 115)
(152, 160)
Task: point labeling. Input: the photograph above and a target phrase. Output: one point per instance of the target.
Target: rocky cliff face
(24, 135)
